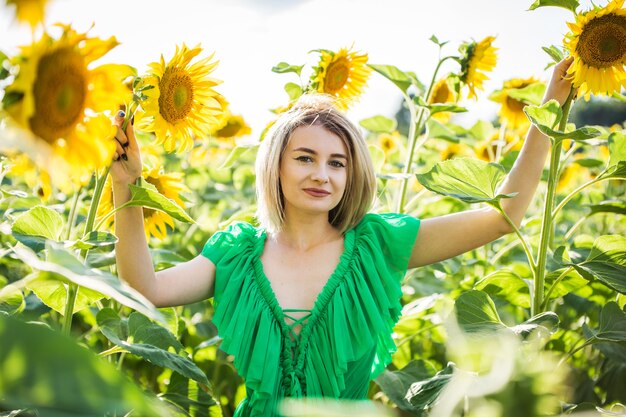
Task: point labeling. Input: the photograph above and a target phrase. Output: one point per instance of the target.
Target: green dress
(344, 342)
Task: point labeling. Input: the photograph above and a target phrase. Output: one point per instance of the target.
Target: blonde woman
(306, 301)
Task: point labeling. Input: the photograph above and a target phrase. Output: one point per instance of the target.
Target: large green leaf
(379, 124)
(190, 398)
(148, 196)
(506, 284)
(396, 384)
(570, 5)
(606, 262)
(476, 312)
(35, 226)
(466, 179)
(53, 293)
(67, 267)
(617, 171)
(548, 116)
(617, 148)
(149, 341)
(612, 325)
(46, 371)
(393, 74)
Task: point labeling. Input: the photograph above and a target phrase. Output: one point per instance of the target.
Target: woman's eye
(337, 164)
(304, 158)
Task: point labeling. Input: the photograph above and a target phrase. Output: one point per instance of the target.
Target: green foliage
(379, 124)
(570, 5)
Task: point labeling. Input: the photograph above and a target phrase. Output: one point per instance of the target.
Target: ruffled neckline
(320, 304)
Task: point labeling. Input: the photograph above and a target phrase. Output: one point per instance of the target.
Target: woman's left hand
(559, 86)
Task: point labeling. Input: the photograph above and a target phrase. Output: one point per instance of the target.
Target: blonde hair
(314, 109)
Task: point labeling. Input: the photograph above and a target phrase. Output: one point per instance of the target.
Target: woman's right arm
(184, 283)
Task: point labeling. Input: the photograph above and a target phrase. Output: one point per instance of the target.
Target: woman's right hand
(126, 166)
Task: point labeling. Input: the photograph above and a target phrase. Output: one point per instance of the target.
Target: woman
(306, 302)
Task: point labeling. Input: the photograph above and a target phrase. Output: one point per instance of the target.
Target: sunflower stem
(415, 129)
(548, 219)
(72, 290)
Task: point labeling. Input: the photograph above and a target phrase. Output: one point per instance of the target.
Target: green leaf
(96, 239)
(569, 283)
(439, 107)
(293, 90)
(611, 206)
(612, 325)
(283, 67)
(379, 124)
(53, 293)
(39, 221)
(187, 396)
(378, 157)
(393, 74)
(13, 303)
(570, 5)
(508, 285)
(466, 179)
(438, 130)
(10, 98)
(614, 172)
(4, 66)
(547, 320)
(148, 341)
(397, 384)
(238, 153)
(556, 53)
(422, 394)
(547, 116)
(70, 268)
(476, 312)
(147, 196)
(43, 370)
(588, 162)
(617, 148)
(607, 262)
(531, 94)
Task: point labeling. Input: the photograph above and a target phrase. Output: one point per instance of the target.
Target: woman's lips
(316, 192)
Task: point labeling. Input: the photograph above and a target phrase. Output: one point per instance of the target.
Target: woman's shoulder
(235, 237)
(387, 221)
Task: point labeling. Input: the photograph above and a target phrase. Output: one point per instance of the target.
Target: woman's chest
(298, 278)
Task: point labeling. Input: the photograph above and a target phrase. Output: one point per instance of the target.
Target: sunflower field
(533, 324)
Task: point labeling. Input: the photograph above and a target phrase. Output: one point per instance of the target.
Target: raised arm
(185, 283)
(447, 236)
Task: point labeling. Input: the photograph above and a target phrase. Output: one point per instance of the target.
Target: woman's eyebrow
(311, 151)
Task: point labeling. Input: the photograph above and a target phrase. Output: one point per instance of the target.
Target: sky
(249, 37)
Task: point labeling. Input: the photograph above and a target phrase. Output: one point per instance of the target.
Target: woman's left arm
(447, 236)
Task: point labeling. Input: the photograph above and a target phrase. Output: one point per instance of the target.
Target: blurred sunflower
(511, 109)
(597, 42)
(38, 180)
(182, 103)
(454, 150)
(389, 142)
(29, 11)
(570, 174)
(57, 100)
(477, 59)
(343, 75)
(155, 222)
(230, 127)
(442, 93)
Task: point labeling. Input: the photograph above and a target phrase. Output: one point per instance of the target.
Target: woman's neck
(307, 233)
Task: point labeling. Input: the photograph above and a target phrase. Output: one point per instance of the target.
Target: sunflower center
(442, 93)
(337, 75)
(59, 90)
(602, 42)
(176, 98)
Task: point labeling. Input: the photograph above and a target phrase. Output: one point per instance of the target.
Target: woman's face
(313, 171)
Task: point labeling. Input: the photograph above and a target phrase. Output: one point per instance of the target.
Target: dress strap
(296, 321)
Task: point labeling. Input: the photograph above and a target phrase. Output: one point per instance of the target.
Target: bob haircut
(318, 110)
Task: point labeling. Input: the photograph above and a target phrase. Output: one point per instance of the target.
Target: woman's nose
(320, 175)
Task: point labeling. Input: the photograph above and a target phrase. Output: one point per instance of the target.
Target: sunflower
(231, 126)
(29, 11)
(155, 222)
(477, 59)
(182, 103)
(37, 179)
(598, 44)
(454, 150)
(511, 110)
(342, 74)
(442, 93)
(389, 142)
(57, 102)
